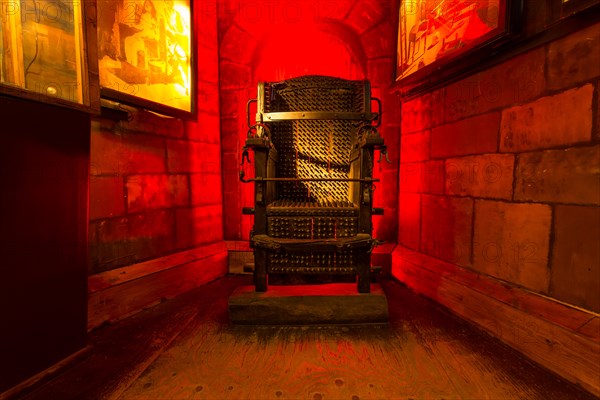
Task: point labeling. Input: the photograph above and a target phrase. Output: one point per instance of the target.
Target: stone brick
(391, 102)
(209, 97)
(511, 242)
(232, 217)
(433, 177)
(409, 225)
(230, 141)
(146, 192)
(233, 75)
(151, 234)
(128, 154)
(107, 197)
(515, 81)
(206, 188)
(199, 225)
(368, 13)
(416, 114)
(208, 69)
(230, 100)
(105, 154)
(141, 154)
(575, 58)
(415, 147)
(410, 177)
(561, 176)
(446, 228)
(183, 156)
(575, 273)
(237, 45)
(125, 241)
(474, 135)
(550, 121)
(438, 107)
(380, 72)
(380, 41)
(488, 175)
(206, 130)
(206, 21)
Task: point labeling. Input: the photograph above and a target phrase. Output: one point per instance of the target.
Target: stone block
(337, 303)
(206, 130)
(475, 135)
(574, 58)
(416, 114)
(124, 241)
(199, 225)
(209, 97)
(237, 46)
(232, 220)
(380, 41)
(208, 69)
(511, 242)
(433, 177)
(380, 72)
(234, 76)
(367, 14)
(559, 176)
(145, 192)
(551, 121)
(230, 131)
(515, 81)
(487, 175)
(410, 177)
(107, 197)
(575, 272)
(446, 228)
(186, 157)
(206, 188)
(409, 220)
(105, 154)
(415, 147)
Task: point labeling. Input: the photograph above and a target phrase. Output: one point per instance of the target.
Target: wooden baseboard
(46, 375)
(116, 294)
(560, 337)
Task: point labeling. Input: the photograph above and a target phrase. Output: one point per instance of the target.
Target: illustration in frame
(146, 54)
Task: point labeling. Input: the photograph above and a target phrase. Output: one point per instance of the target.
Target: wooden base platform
(337, 303)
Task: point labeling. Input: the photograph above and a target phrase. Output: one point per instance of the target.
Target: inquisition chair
(314, 142)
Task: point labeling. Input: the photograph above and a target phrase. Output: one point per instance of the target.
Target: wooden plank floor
(186, 349)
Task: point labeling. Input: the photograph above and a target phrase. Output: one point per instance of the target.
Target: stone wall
(155, 184)
(500, 172)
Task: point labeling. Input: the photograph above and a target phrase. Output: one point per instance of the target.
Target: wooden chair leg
(364, 279)
(260, 270)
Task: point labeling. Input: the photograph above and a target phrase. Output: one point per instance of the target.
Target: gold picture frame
(438, 39)
(146, 54)
(48, 52)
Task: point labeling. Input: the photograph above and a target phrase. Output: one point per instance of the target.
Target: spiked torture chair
(313, 141)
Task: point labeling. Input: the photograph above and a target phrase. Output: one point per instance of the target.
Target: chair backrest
(317, 147)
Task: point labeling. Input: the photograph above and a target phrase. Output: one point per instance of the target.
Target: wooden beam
(119, 293)
(562, 338)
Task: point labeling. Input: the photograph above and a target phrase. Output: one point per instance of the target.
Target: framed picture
(439, 38)
(146, 54)
(48, 52)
